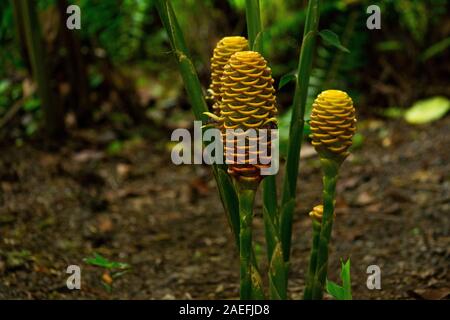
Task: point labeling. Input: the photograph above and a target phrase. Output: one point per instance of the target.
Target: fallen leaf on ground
(88, 155)
(106, 277)
(364, 198)
(123, 169)
(431, 294)
(105, 224)
(308, 151)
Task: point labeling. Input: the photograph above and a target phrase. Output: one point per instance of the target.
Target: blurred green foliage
(414, 40)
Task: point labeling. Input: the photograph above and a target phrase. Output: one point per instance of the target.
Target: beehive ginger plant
(246, 102)
(242, 98)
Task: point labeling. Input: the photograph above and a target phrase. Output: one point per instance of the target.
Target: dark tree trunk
(76, 68)
(52, 111)
(20, 33)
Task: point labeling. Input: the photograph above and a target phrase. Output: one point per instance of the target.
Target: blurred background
(85, 167)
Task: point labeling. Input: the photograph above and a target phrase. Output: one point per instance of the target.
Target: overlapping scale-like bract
(317, 213)
(247, 102)
(225, 48)
(333, 124)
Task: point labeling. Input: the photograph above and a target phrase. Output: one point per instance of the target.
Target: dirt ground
(166, 221)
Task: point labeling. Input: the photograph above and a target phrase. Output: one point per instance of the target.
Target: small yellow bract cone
(247, 102)
(317, 213)
(333, 124)
(224, 50)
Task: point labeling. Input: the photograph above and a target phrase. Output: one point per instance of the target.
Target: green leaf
(428, 110)
(333, 39)
(101, 261)
(118, 274)
(270, 197)
(286, 213)
(393, 112)
(346, 280)
(230, 200)
(296, 125)
(284, 122)
(344, 292)
(335, 290)
(4, 86)
(179, 47)
(32, 104)
(291, 76)
(270, 231)
(277, 275)
(254, 26)
(436, 49)
(115, 147)
(389, 45)
(31, 127)
(259, 40)
(357, 141)
(238, 4)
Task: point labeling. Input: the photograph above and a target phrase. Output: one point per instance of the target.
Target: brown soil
(166, 221)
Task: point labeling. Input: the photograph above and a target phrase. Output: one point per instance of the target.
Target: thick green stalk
(254, 28)
(254, 25)
(270, 215)
(246, 201)
(330, 171)
(277, 267)
(297, 124)
(229, 199)
(312, 260)
(52, 112)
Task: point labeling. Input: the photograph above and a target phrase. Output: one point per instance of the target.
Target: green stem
(254, 25)
(270, 215)
(297, 124)
(312, 260)
(277, 269)
(330, 171)
(246, 201)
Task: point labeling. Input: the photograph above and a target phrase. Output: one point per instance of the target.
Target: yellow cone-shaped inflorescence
(333, 124)
(317, 213)
(224, 50)
(247, 102)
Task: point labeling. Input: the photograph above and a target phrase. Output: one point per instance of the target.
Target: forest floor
(167, 223)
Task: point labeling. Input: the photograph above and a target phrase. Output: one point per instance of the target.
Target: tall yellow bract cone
(333, 124)
(247, 102)
(225, 48)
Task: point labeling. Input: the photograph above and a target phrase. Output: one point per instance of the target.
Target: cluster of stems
(318, 264)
